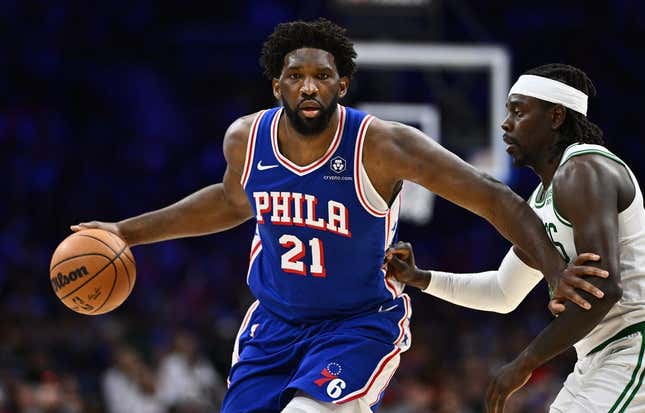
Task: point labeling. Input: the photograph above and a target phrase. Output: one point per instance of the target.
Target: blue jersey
(322, 229)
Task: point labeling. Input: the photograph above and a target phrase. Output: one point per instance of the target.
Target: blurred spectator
(188, 382)
(130, 385)
(51, 395)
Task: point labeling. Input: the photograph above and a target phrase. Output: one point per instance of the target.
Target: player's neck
(304, 149)
(545, 168)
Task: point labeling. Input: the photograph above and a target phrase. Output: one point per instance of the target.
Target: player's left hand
(572, 279)
(399, 263)
(507, 381)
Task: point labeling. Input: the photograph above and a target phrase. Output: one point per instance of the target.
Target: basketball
(92, 271)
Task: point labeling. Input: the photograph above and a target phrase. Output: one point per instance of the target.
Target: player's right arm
(211, 209)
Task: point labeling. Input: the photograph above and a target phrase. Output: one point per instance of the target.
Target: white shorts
(607, 381)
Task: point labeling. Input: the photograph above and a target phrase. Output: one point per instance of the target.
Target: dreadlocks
(576, 127)
(319, 34)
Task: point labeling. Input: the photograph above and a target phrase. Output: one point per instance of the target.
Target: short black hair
(318, 34)
(576, 126)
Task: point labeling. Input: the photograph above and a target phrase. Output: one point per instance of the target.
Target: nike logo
(265, 167)
(382, 310)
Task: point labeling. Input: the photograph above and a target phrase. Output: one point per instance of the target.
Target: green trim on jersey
(536, 202)
(634, 328)
(633, 378)
(558, 216)
(606, 154)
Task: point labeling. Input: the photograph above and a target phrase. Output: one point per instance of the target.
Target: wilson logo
(61, 280)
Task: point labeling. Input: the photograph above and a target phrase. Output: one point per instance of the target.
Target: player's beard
(310, 126)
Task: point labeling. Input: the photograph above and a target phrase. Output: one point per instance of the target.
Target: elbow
(506, 308)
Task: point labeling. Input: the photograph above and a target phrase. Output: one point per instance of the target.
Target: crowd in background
(110, 109)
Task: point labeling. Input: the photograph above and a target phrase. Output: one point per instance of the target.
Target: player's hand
(108, 226)
(578, 269)
(572, 280)
(509, 379)
(399, 260)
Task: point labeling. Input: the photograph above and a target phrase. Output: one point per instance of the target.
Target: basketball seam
(116, 275)
(95, 275)
(76, 256)
(111, 234)
(130, 284)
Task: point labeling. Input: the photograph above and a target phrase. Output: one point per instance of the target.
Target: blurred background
(111, 109)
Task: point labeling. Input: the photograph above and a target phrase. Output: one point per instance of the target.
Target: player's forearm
(204, 212)
(518, 223)
(571, 326)
(499, 291)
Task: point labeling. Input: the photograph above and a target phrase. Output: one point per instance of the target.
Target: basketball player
(322, 182)
(588, 200)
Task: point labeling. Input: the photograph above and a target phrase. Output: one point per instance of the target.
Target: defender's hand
(579, 270)
(399, 260)
(565, 288)
(508, 380)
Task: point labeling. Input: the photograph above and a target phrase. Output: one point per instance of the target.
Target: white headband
(551, 91)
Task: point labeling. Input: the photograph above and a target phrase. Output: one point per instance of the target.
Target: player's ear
(558, 115)
(275, 84)
(343, 86)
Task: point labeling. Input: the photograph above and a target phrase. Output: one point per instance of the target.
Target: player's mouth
(310, 109)
(510, 143)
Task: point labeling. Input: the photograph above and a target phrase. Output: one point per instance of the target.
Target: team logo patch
(338, 164)
(335, 385)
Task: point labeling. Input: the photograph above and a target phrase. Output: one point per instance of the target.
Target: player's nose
(506, 125)
(309, 87)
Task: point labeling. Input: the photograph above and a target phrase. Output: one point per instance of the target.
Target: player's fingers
(402, 245)
(499, 406)
(83, 225)
(491, 399)
(556, 307)
(581, 270)
(571, 295)
(400, 252)
(586, 256)
(397, 264)
(584, 285)
(596, 272)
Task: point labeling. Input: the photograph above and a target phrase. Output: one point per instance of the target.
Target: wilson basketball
(92, 271)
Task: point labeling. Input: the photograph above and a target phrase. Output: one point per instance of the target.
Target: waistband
(634, 328)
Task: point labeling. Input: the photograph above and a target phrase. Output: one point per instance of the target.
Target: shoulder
(388, 136)
(588, 169)
(238, 131)
(589, 176)
(236, 139)
(237, 134)
(587, 183)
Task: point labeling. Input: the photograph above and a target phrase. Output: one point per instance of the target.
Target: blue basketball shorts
(333, 361)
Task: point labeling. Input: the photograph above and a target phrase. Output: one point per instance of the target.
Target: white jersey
(630, 309)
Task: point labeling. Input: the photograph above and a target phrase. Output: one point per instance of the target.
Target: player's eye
(294, 76)
(323, 76)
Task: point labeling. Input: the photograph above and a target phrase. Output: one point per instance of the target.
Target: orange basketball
(92, 271)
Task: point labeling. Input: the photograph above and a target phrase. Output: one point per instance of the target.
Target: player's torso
(321, 228)
(631, 235)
